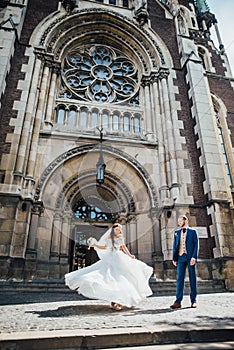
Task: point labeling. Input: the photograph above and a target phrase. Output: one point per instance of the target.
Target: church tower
(113, 110)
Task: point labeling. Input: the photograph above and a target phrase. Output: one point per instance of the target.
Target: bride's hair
(112, 234)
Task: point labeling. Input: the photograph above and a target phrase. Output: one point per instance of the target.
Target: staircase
(159, 288)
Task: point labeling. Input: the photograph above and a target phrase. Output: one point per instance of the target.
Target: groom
(185, 252)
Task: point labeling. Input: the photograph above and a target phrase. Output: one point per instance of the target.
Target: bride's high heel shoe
(118, 307)
(115, 306)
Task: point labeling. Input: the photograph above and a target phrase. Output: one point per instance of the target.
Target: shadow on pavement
(79, 310)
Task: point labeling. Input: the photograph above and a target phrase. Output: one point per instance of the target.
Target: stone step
(159, 288)
(109, 338)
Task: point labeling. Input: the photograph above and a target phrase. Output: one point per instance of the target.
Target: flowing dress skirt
(115, 278)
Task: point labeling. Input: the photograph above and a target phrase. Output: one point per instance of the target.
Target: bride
(117, 277)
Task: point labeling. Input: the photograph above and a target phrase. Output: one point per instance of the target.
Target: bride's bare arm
(126, 251)
(98, 246)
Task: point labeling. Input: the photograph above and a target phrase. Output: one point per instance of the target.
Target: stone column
(65, 234)
(37, 124)
(147, 104)
(31, 252)
(131, 228)
(161, 147)
(164, 152)
(52, 91)
(154, 104)
(37, 210)
(56, 236)
(157, 242)
(54, 261)
(169, 130)
(25, 135)
(155, 216)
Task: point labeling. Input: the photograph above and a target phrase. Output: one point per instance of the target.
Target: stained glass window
(87, 213)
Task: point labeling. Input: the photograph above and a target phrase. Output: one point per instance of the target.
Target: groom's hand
(192, 262)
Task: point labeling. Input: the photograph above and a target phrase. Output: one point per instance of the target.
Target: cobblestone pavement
(27, 312)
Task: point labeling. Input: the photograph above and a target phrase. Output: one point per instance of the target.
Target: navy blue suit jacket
(192, 244)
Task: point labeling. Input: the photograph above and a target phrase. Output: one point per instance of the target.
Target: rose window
(99, 74)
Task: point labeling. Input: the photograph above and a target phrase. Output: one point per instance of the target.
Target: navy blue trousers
(182, 264)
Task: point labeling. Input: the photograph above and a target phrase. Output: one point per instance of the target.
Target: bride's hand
(132, 256)
(92, 242)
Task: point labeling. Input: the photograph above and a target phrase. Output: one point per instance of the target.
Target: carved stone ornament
(38, 208)
(69, 5)
(141, 12)
(65, 24)
(155, 76)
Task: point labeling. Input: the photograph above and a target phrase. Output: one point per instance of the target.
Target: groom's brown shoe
(193, 305)
(175, 306)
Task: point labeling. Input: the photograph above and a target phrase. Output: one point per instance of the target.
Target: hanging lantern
(100, 166)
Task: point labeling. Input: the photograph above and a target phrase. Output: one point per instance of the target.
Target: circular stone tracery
(99, 73)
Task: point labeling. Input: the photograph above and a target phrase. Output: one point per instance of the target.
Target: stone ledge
(97, 339)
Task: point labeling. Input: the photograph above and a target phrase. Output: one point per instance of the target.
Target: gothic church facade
(136, 85)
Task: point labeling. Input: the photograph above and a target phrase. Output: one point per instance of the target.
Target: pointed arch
(205, 57)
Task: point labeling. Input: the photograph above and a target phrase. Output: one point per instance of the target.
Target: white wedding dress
(116, 277)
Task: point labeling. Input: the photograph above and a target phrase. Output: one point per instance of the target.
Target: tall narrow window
(94, 118)
(105, 120)
(83, 117)
(204, 55)
(136, 124)
(61, 115)
(126, 122)
(201, 53)
(116, 121)
(223, 148)
(72, 116)
(225, 156)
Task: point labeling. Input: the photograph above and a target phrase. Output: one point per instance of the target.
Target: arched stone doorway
(127, 196)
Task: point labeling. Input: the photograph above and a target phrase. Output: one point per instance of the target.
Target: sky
(224, 12)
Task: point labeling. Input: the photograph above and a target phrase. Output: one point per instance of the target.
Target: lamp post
(100, 166)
